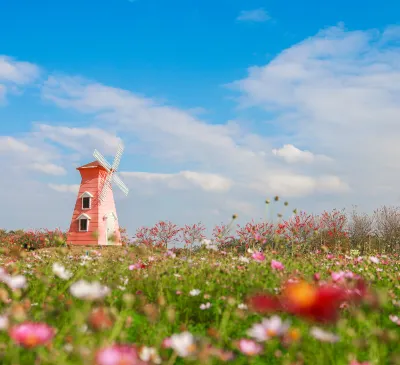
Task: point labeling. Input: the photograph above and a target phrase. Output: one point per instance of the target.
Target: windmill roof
(91, 165)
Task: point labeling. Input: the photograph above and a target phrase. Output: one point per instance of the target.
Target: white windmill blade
(106, 186)
(99, 157)
(120, 184)
(117, 157)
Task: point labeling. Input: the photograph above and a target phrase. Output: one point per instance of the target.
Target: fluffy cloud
(292, 154)
(14, 73)
(48, 168)
(169, 134)
(257, 15)
(79, 139)
(65, 188)
(338, 92)
(185, 180)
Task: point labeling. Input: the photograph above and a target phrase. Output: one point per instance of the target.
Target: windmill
(94, 220)
(111, 169)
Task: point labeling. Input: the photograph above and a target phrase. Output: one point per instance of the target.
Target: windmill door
(110, 229)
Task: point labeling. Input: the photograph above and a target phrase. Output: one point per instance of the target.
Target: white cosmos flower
(4, 323)
(194, 292)
(16, 282)
(61, 272)
(205, 306)
(183, 343)
(323, 336)
(268, 328)
(148, 354)
(244, 259)
(88, 291)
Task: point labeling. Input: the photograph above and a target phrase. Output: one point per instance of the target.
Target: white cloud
(10, 144)
(185, 180)
(292, 154)
(79, 139)
(65, 188)
(49, 168)
(339, 92)
(169, 134)
(256, 15)
(15, 73)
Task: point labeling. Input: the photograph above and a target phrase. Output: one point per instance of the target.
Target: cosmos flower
(269, 328)
(4, 322)
(374, 259)
(258, 256)
(395, 319)
(277, 265)
(61, 272)
(183, 344)
(31, 334)
(148, 354)
(323, 336)
(205, 306)
(249, 347)
(194, 292)
(89, 291)
(117, 355)
(317, 303)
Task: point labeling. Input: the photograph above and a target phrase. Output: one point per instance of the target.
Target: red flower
(264, 303)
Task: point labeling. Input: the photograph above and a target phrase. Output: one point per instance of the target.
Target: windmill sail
(111, 169)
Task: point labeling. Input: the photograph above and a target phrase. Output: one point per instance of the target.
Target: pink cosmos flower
(137, 266)
(277, 265)
(395, 319)
(330, 256)
(355, 362)
(258, 256)
(374, 259)
(118, 355)
(249, 347)
(31, 334)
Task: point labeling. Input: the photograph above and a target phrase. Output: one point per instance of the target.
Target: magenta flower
(31, 334)
(258, 256)
(277, 265)
(118, 355)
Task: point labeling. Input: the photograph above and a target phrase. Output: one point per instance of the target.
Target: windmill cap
(91, 165)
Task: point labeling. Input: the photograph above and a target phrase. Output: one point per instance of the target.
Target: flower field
(256, 296)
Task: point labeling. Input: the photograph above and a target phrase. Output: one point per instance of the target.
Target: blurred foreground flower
(317, 303)
(30, 334)
(269, 328)
(118, 355)
(323, 336)
(149, 354)
(61, 272)
(89, 291)
(13, 282)
(183, 344)
(249, 347)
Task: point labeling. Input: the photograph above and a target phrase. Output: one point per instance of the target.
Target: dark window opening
(85, 203)
(83, 224)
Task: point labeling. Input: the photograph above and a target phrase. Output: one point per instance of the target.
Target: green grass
(148, 310)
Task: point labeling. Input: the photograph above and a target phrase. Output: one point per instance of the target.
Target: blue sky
(199, 59)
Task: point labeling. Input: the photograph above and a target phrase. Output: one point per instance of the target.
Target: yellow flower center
(301, 294)
(31, 340)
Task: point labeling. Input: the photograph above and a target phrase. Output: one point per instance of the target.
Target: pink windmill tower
(94, 220)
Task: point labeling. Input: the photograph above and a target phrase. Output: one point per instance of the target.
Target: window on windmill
(86, 202)
(83, 224)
